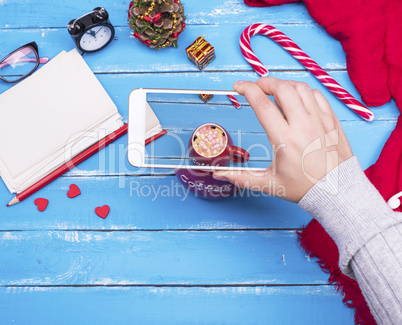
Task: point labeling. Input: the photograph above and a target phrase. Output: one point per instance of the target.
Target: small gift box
(201, 52)
(206, 97)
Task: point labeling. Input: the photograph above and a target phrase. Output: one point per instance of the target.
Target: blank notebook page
(42, 114)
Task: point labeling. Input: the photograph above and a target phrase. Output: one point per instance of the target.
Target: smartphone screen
(203, 129)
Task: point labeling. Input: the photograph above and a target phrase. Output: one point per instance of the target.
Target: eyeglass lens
(19, 64)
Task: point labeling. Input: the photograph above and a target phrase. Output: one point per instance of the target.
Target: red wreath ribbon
(175, 35)
(138, 37)
(153, 19)
(129, 6)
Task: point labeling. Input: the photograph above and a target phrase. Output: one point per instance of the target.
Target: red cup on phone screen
(211, 145)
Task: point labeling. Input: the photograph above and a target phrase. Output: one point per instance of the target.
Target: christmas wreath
(157, 23)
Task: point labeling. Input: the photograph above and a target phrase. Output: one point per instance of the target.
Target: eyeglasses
(21, 63)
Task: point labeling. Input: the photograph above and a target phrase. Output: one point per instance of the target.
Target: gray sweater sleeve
(368, 235)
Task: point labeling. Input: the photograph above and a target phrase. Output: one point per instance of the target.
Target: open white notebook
(50, 117)
(53, 115)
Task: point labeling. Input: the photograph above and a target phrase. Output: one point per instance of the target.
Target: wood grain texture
(150, 203)
(172, 305)
(155, 258)
(119, 87)
(126, 54)
(161, 256)
(39, 13)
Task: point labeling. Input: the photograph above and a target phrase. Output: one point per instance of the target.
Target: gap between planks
(209, 71)
(155, 230)
(167, 285)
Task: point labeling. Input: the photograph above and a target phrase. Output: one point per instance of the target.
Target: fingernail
(220, 176)
(239, 82)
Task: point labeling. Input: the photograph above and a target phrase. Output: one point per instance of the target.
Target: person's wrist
(349, 208)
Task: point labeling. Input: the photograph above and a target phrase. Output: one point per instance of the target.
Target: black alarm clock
(92, 31)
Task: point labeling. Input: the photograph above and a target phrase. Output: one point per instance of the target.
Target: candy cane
(304, 59)
(234, 101)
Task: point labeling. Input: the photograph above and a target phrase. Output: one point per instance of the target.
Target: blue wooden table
(170, 259)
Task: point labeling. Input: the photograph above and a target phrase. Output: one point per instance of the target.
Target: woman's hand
(306, 137)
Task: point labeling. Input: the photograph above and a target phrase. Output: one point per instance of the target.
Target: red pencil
(76, 161)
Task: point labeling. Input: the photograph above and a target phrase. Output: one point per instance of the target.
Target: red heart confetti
(102, 211)
(41, 203)
(74, 191)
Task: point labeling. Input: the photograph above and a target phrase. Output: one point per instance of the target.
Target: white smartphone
(181, 112)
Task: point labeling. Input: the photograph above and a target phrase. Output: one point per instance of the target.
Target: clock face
(95, 38)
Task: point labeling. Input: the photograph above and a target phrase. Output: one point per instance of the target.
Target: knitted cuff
(350, 209)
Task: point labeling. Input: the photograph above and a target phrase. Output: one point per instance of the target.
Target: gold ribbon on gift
(197, 43)
(199, 46)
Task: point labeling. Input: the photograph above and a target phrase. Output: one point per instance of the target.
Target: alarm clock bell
(92, 31)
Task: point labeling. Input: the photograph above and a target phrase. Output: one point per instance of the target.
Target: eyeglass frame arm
(38, 60)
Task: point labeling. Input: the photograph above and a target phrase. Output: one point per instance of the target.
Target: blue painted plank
(119, 87)
(154, 258)
(145, 203)
(126, 54)
(167, 305)
(39, 13)
(367, 143)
